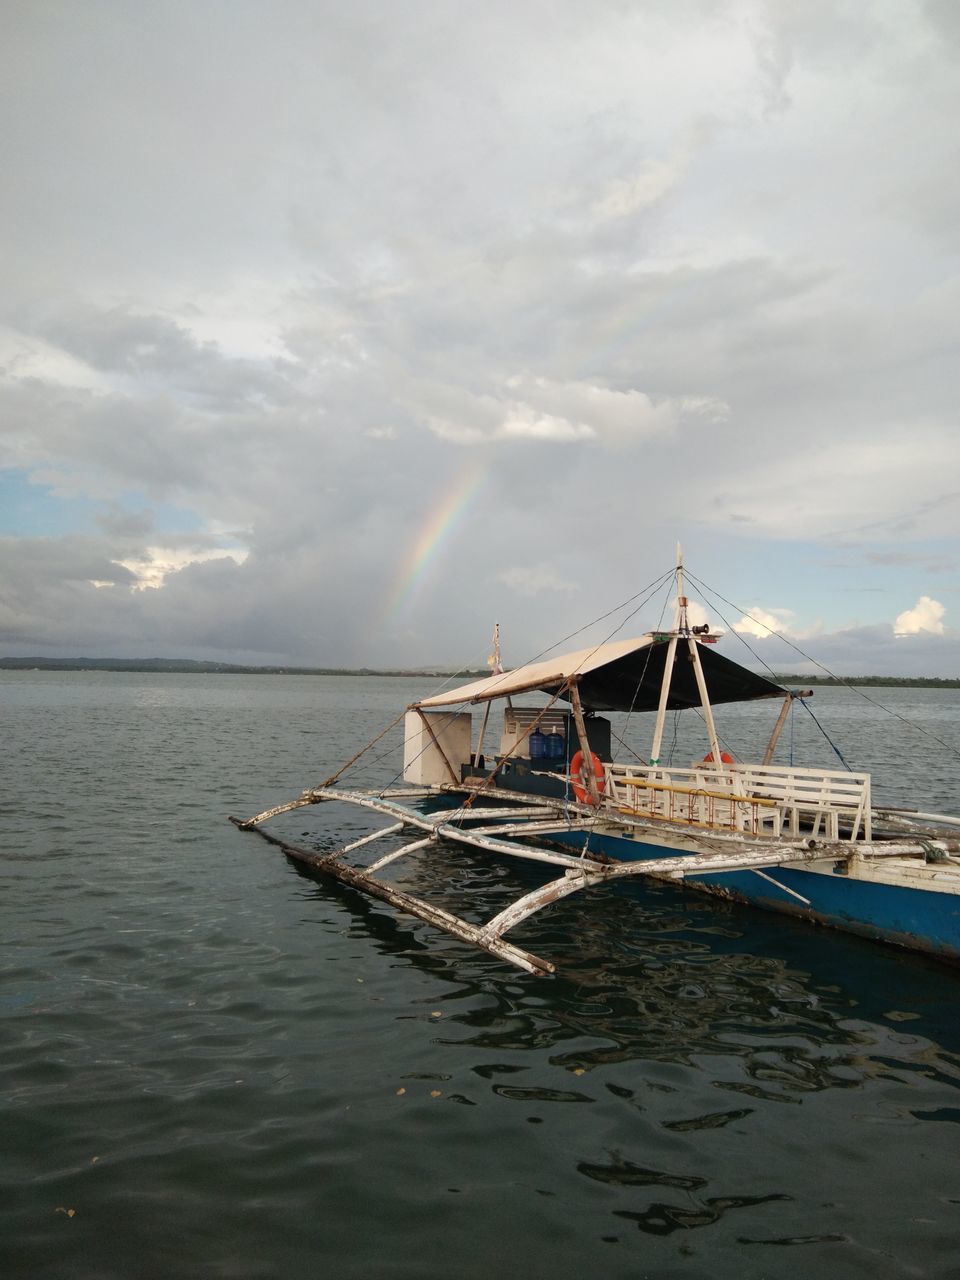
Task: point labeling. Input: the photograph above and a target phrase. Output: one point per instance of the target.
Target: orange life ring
(725, 758)
(578, 776)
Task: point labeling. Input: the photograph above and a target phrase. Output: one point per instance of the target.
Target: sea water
(212, 1065)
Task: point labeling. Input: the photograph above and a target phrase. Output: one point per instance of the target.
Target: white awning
(548, 674)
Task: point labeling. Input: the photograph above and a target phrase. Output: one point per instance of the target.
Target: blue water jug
(556, 745)
(538, 746)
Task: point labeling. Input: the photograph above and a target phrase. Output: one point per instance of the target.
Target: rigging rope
(826, 670)
(643, 676)
(793, 725)
(647, 592)
(565, 687)
(334, 777)
(838, 752)
(732, 629)
(676, 735)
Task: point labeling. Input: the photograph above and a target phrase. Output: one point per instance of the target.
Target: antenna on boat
(681, 598)
(495, 662)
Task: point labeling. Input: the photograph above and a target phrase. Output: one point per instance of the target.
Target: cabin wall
(423, 761)
(598, 735)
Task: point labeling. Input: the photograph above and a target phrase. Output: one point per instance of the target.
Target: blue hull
(916, 918)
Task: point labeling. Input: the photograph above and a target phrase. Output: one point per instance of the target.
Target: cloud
(763, 622)
(901, 478)
(625, 197)
(539, 408)
(612, 415)
(925, 618)
(523, 422)
(129, 349)
(152, 568)
(534, 580)
(855, 651)
(657, 272)
(114, 520)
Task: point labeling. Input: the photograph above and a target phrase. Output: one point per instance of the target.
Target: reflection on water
(667, 1003)
(226, 1067)
(654, 972)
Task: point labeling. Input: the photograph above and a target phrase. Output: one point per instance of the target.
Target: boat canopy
(624, 675)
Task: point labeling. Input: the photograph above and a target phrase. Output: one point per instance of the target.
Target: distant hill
(890, 682)
(188, 666)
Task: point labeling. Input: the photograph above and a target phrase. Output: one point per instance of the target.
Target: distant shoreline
(187, 666)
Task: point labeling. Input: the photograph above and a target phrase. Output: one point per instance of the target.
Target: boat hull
(918, 919)
(896, 904)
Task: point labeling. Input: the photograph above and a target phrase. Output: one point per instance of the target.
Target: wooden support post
(454, 776)
(781, 721)
(664, 695)
(488, 781)
(705, 703)
(577, 708)
(777, 729)
(483, 730)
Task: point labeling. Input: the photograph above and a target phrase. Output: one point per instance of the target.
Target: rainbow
(435, 532)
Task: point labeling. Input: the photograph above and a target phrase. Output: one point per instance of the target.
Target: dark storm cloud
(154, 350)
(115, 521)
(624, 274)
(42, 580)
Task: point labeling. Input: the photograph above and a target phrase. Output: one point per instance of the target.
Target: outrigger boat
(804, 841)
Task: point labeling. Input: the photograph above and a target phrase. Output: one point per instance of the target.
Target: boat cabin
(564, 753)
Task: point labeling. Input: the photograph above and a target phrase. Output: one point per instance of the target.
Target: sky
(332, 334)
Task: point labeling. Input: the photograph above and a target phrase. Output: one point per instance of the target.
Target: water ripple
(224, 1068)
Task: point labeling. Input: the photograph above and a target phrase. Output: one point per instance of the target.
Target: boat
(805, 841)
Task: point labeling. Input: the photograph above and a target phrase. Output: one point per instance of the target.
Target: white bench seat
(769, 800)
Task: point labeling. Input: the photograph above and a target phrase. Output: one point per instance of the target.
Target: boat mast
(668, 667)
(705, 703)
(682, 631)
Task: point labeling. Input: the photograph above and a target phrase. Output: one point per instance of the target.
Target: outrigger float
(806, 842)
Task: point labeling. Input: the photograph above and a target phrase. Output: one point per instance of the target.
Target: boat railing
(771, 800)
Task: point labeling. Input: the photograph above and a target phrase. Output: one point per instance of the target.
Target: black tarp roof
(623, 675)
(632, 683)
